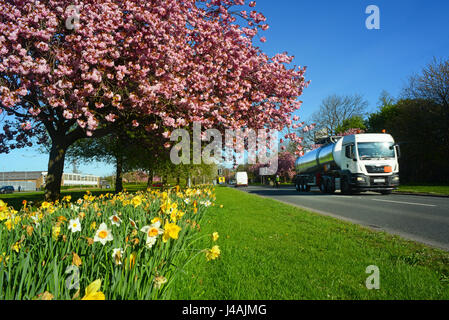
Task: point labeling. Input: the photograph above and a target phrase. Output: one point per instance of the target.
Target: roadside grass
(273, 251)
(436, 189)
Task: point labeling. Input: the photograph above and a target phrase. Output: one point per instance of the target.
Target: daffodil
(171, 230)
(213, 253)
(3, 206)
(75, 225)
(117, 255)
(152, 232)
(133, 223)
(215, 236)
(206, 203)
(16, 247)
(136, 201)
(159, 281)
(45, 205)
(56, 231)
(92, 291)
(115, 220)
(103, 234)
(156, 219)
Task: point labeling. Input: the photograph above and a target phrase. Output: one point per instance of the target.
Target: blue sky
(342, 55)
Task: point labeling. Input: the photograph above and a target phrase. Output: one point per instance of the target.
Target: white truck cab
(359, 162)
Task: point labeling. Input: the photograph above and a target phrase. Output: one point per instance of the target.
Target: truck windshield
(370, 150)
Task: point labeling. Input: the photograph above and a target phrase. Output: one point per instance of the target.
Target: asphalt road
(419, 218)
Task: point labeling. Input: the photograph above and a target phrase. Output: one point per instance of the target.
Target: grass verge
(431, 189)
(15, 199)
(273, 251)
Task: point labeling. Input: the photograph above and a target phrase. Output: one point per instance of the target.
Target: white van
(241, 179)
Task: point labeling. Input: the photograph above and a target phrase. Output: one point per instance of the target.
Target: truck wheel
(345, 187)
(323, 187)
(386, 192)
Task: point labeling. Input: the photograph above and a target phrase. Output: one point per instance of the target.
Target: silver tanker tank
(315, 160)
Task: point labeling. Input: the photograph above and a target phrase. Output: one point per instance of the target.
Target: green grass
(271, 250)
(15, 199)
(436, 189)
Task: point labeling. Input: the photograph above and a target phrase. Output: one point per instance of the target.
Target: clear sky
(342, 55)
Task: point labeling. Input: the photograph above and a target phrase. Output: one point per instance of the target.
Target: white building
(34, 180)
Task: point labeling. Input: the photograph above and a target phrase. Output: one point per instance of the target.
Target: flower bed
(124, 246)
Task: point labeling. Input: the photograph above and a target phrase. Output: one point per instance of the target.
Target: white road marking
(411, 203)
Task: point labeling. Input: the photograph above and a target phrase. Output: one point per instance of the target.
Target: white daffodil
(117, 255)
(75, 225)
(187, 200)
(103, 234)
(115, 220)
(159, 281)
(35, 219)
(133, 223)
(206, 203)
(153, 230)
(150, 242)
(74, 208)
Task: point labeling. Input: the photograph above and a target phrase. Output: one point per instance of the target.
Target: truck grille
(375, 169)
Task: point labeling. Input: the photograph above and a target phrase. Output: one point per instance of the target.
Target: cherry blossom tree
(79, 68)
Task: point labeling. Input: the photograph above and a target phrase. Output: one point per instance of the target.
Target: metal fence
(24, 185)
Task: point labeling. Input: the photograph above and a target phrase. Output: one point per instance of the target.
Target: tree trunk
(119, 174)
(55, 171)
(150, 179)
(178, 181)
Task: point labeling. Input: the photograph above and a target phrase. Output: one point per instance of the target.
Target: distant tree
(355, 122)
(432, 84)
(286, 165)
(336, 109)
(417, 126)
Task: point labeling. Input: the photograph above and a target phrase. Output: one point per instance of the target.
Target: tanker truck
(351, 164)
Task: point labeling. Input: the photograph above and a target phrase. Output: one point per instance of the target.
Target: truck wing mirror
(398, 150)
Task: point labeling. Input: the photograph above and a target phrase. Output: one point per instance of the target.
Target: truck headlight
(395, 178)
(360, 179)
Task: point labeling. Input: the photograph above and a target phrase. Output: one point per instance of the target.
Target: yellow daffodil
(215, 236)
(45, 205)
(213, 253)
(154, 220)
(92, 291)
(159, 281)
(4, 258)
(16, 247)
(136, 201)
(56, 231)
(3, 206)
(171, 230)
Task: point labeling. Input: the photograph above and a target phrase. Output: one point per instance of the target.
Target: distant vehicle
(6, 189)
(242, 179)
(232, 182)
(354, 163)
(158, 185)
